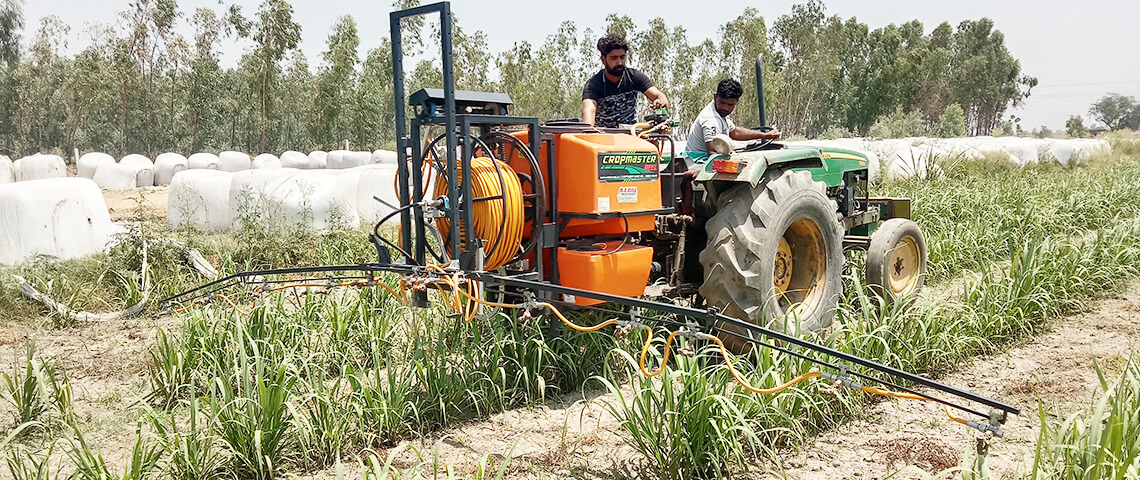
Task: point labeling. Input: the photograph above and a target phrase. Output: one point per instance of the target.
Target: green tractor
(770, 226)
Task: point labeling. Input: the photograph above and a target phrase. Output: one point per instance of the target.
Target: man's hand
(770, 134)
(658, 97)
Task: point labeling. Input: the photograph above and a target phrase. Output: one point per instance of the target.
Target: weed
(1098, 443)
(34, 390)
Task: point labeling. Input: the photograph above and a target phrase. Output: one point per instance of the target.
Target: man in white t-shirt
(713, 121)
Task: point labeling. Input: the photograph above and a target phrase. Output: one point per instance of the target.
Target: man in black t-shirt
(610, 97)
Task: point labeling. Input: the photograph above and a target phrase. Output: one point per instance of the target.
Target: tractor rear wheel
(896, 260)
(774, 256)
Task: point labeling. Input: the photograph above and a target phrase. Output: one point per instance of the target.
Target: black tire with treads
(882, 273)
(740, 257)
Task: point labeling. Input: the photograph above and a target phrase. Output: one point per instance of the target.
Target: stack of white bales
(267, 160)
(341, 159)
(60, 217)
(230, 161)
(293, 159)
(203, 161)
(90, 161)
(921, 156)
(281, 198)
(166, 165)
(132, 171)
(318, 159)
(36, 167)
(7, 173)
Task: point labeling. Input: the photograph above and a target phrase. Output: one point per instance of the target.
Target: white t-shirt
(708, 124)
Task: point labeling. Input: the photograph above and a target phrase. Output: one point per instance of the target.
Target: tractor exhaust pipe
(760, 89)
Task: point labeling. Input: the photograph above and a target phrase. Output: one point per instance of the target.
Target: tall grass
(303, 379)
(974, 217)
(38, 393)
(1098, 443)
(1040, 247)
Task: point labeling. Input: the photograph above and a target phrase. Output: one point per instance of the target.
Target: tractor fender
(751, 166)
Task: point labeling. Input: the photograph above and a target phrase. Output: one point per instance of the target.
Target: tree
(203, 79)
(952, 123)
(1075, 127)
(275, 33)
(11, 22)
(336, 84)
(40, 113)
(986, 78)
(376, 113)
(1116, 112)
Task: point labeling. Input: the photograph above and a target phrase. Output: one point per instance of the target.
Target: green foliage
(1117, 112)
(836, 132)
(38, 393)
(1075, 127)
(683, 423)
(898, 125)
(90, 464)
(1099, 442)
(952, 123)
(142, 87)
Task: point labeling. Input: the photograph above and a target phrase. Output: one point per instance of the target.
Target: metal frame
(700, 320)
(455, 124)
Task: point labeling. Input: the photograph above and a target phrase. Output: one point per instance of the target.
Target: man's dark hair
(729, 88)
(610, 43)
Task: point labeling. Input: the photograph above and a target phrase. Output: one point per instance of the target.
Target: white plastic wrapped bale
(341, 159)
(7, 175)
(37, 167)
(288, 199)
(87, 164)
(203, 161)
(166, 165)
(231, 161)
(144, 169)
(383, 156)
(318, 159)
(293, 159)
(377, 181)
(267, 160)
(200, 199)
(1079, 149)
(116, 176)
(61, 217)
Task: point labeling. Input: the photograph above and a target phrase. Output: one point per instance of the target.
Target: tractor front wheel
(775, 254)
(896, 260)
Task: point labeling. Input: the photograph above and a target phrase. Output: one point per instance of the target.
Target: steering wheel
(763, 143)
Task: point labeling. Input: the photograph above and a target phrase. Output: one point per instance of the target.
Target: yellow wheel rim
(782, 271)
(904, 267)
(800, 266)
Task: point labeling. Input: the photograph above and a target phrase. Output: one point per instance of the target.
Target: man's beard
(722, 112)
(616, 71)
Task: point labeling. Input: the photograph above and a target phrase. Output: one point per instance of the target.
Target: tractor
(757, 233)
(745, 250)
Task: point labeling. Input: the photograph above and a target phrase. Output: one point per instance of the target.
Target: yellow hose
(489, 215)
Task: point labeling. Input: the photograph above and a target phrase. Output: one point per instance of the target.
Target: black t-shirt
(617, 102)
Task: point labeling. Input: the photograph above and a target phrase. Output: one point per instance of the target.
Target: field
(1032, 299)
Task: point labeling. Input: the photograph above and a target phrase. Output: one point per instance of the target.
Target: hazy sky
(1078, 50)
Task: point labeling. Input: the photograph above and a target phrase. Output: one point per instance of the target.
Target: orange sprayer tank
(605, 268)
(602, 173)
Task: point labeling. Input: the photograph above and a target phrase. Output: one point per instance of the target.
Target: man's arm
(656, 96)
(740, 133)
(589, 110)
